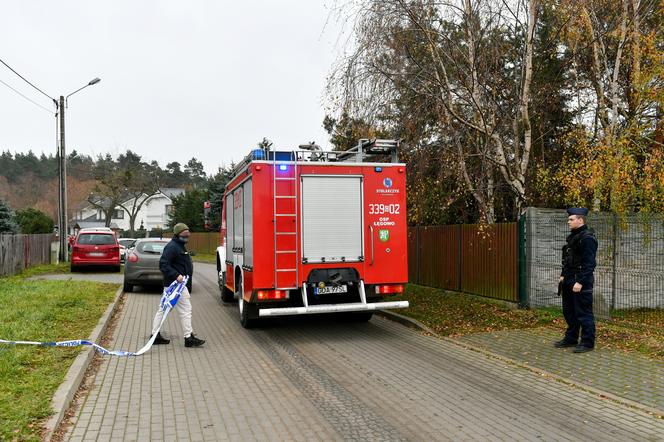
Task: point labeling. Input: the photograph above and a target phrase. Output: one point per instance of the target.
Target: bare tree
(141, 183)
(470, 61)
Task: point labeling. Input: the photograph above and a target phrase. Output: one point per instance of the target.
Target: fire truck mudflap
(309, 232)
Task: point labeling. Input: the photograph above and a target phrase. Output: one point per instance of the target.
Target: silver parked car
(142, 263)
(125, 245)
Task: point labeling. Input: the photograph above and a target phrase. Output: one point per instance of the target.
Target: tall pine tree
(7, 224)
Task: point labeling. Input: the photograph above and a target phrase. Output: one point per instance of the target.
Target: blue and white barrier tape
(169, 299)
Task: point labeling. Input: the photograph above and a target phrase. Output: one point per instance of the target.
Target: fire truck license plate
(331, 289)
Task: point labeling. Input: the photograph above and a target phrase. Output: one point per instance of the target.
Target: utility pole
(62, 167)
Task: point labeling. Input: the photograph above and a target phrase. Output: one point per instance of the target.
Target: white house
(153, 214)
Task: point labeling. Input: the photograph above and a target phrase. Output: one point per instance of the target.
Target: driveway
(313, 378)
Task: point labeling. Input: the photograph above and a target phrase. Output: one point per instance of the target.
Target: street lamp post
(62, 169)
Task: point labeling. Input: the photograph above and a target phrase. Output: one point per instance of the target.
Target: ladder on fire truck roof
(287, 265)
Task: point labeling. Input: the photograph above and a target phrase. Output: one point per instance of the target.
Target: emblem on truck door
(384, 235)
(387, 182)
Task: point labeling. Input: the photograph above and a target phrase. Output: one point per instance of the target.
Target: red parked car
(95, 248)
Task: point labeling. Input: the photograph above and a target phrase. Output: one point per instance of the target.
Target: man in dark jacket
(175, 263)
(576, 283)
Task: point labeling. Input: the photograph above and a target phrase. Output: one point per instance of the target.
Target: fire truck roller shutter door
(248, 248)
(238, 221)
(229, 227)
(332, 218)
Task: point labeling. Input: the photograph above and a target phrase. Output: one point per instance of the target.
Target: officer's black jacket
(174, 261)
(579, 257)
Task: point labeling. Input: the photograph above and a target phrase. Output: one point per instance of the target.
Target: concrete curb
(72, 381)
(412, 323)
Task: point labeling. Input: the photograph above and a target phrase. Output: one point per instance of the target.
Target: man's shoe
(160, 340)
(582, 349)
(564, 344)
(193, 341)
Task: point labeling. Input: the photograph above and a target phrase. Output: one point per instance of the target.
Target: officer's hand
(180, 278)
(562, 278)
(577, 287)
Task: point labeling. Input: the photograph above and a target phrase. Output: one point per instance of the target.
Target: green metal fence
(629, 277)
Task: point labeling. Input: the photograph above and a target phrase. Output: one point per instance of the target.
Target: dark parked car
(142, 264)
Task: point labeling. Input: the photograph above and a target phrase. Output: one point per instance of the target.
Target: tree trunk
(132, 223)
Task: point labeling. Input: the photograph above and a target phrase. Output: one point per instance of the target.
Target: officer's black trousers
(578, 312)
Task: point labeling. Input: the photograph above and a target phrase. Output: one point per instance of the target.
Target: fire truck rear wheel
(247, 314)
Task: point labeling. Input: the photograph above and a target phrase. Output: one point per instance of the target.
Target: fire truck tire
(226, 294)
(247, 314)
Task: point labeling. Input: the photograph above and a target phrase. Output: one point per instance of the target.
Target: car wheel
(117, 269)
(128, 288)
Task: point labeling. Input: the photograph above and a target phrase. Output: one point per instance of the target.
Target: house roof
(172, 192)
(92, 224)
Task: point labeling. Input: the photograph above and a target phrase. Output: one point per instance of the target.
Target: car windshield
(96, 239)
(151, 247)
(127, 242)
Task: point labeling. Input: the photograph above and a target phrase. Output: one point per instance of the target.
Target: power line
(30, 100)
(24, 79)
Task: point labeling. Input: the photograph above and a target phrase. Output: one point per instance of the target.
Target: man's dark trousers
(578, 312)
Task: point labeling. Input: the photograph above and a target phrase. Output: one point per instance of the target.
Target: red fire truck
(311, 231)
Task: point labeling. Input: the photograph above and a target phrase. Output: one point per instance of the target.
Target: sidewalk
(628, 375)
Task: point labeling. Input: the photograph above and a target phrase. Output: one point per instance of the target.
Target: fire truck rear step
(362, 306)
(332, 308)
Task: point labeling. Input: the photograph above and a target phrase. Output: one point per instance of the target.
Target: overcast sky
(179, 79)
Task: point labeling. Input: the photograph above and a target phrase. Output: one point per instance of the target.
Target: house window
(118, 214)
(170, 210)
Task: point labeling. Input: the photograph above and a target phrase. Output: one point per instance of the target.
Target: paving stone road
(627, 375)
(318, 379)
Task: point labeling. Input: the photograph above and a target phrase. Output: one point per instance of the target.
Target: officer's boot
(193, 341)
(159, 340)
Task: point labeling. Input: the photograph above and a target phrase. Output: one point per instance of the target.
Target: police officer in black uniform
(576, 283)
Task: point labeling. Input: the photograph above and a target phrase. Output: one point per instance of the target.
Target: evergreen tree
(216, 186)
(188, 209)
(33, 221)
(7, 224)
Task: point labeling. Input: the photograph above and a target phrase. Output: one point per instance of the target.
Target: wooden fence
(18, 252)
(204, 242)
(482, 260)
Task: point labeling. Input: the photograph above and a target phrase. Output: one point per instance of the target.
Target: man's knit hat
(179, 228)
